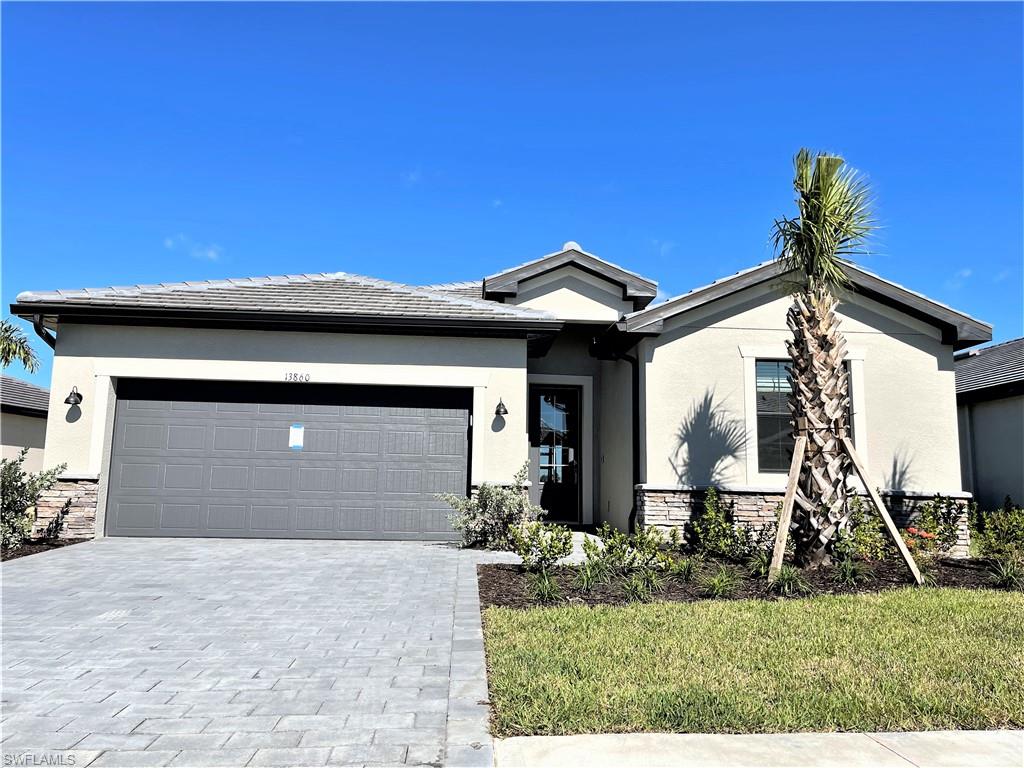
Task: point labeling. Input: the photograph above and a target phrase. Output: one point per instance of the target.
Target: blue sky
(160, 142)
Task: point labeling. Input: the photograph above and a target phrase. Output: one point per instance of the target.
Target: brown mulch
(510, 585)
(35, 547)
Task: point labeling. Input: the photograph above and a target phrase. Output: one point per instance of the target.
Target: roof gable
(958, 329)
(636, 288)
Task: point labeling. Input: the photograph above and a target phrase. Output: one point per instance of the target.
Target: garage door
(285, 461)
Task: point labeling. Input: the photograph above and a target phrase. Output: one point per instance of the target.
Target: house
(23, 421)
(337, 406)
(990, 410)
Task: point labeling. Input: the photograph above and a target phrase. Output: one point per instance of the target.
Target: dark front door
(555, 455)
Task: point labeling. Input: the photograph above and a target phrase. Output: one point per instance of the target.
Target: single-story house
(990, 408)
(23, 409)
(337, 406)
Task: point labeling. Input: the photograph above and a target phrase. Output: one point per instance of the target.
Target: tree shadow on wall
(706, 441)
(900, 472)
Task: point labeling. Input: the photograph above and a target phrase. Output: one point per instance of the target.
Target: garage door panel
(217, 466)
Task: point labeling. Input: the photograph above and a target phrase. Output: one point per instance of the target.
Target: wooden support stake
(890, 526)
(787, 508)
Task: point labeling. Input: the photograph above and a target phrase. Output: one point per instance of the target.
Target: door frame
(586, 385)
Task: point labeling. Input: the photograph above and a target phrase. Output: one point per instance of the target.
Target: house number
(301, 377)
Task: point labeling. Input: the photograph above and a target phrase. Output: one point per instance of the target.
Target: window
(774, 428)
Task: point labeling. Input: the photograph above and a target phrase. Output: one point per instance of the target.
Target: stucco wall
(91, 357)
(615, 440)
(992, 448)
(572, 294)
(18, 431)
(699, 421)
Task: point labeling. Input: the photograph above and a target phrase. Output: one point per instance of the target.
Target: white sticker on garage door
(295, 436)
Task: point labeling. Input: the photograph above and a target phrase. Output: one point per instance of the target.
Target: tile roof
(990, 366)
(328, 294)
(15, 393)
(470, 289)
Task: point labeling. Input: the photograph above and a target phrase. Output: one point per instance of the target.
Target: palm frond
(834, 220)
(14, 346)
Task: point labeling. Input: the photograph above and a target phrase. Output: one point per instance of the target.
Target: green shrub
(541, 546)
(1001, 533)
(713, 533)
(940, 517)
(544, 587)
(721, 584)
(850, 572)
(684, 569)
(621, 553)
(636, 588)
(758, 563)
(488, 519)
(1007, 573)
(789, 581)
(865, 537)
(19, 493)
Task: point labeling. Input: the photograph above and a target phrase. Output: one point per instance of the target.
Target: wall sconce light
(501, 410)
(75, 398)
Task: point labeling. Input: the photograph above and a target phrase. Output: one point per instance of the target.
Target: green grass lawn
(900, 660)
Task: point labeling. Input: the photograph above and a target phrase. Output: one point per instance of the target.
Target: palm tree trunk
(819, 402)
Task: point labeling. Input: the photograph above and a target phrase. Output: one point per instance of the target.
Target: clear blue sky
(159, 142)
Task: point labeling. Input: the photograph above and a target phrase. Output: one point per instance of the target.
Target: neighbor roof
(988, 367)
(17, 396)
(958, 329)
(334, 297)
(470, 289)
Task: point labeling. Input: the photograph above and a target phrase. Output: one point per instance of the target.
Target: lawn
(898, 660)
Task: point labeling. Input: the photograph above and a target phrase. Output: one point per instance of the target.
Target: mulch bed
(35, 547)
(509, 586)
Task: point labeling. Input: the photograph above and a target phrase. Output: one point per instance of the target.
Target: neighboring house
(23, 420)
(336, 406)
(990, 405)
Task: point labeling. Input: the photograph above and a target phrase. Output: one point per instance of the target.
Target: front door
(555, 456)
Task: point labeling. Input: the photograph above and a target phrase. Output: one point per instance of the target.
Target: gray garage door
(291, 461)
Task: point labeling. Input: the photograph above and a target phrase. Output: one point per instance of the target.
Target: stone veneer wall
(674, 508)
(80, 496)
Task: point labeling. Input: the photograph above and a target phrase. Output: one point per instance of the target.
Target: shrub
(541, 546)
(758, 563)
(712, 532)
(684, 569)
(19, 492)
(1000, 533)
(621, 553)
(865, 537)
(940, 517)
(723, 583)
(789, 581)
(850, 572)
(637, 588)
(1007, 573)
(544, 587)
(487, 520)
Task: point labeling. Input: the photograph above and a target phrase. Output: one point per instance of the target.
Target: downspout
(42, 332)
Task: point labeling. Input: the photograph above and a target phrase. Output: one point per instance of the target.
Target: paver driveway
(231, 652)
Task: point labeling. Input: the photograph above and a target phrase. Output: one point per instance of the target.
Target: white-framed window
(774, 426)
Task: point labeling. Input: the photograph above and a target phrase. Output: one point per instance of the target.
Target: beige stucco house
(336, 406)
(23, 421)
(990, 407)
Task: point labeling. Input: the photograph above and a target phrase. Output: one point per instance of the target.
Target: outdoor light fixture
(501, 410)
(74, 398)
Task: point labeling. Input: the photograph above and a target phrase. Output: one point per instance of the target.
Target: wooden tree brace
(786, 515)
(890, 526)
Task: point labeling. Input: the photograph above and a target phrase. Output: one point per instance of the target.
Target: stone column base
(79, 494)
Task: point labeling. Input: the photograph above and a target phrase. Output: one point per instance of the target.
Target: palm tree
(833, 224)
(15, 347)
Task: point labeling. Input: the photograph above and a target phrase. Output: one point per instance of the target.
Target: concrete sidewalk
(930, 749)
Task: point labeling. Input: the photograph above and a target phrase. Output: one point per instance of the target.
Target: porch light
(501, 410)
(74, 398)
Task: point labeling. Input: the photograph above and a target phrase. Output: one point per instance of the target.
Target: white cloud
(664, 247)
(1000, 276)
(182, 243)
(497, 202)
(959, 278)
